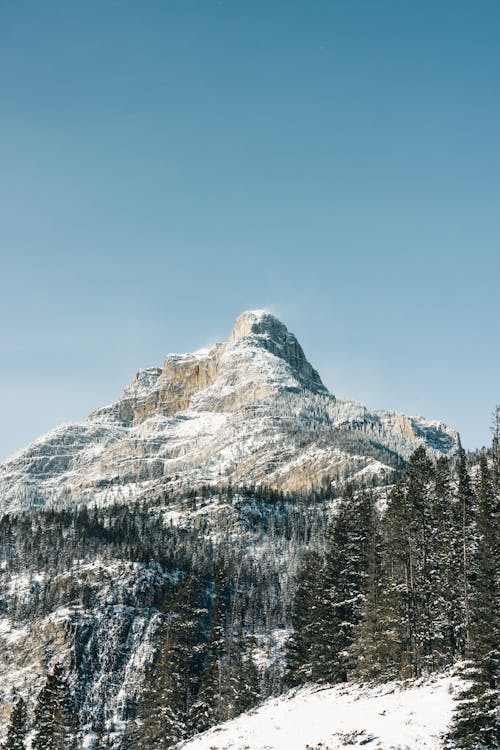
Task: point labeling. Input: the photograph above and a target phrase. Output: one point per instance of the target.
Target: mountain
(184, 555)
(250, 411)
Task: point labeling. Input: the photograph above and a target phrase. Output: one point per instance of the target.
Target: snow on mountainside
(250, 411)
(393, 716)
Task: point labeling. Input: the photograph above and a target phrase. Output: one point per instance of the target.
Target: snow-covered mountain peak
(260, 358)
(250, 410)
(259, 328)
(257, 323)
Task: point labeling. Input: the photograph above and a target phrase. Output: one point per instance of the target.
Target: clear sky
(165, 165)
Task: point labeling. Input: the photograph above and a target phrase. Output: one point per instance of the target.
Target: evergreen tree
(246, 675)
(368, 647)
(159, 719)
(17, 729)
(466, 521)
(54, 719)
(166, 694)
(329, 598)
(100, 741)
(495, 450)
(344, 586)
(443, 582)
(395, 646)
(209, 707)
(421, 593)
(475, 725)
(303, 647)
(408, 611)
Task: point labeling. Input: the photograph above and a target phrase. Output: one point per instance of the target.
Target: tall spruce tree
(245, 674)
(466, 504)
(421, 523)
(55, 725)
(368, 646)
(395, 644)
(17, 729)
(408, 609)
(303, 647)
(159, 719)
(443, 582)
(475, 725)
(330, 596)
(344, 585)
(495, 450)
(210, 705)
(167, 691)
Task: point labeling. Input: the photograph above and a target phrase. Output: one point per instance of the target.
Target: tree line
(410, 589)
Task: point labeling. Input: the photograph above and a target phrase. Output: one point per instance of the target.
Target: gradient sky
(166, 165)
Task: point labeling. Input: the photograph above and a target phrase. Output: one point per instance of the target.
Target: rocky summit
(249, 411)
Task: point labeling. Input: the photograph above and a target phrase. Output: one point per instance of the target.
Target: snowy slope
(250, 411)
(394, 716)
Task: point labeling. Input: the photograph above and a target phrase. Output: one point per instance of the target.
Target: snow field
(394, 716)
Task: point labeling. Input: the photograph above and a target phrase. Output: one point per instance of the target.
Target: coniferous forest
(167, 628)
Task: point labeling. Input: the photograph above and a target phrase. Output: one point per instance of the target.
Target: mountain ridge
(250, 410)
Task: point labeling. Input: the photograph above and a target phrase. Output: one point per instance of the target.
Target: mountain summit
(259, 359)
(270, 333)
(251, 410)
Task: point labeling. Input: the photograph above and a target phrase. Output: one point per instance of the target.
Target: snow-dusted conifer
(344, 585)
(166, 695)
(367, 648)
(476, 721)
(209, 706)
(54, 718)
(443, 625)
(17, 729)
(303, 647)
(466, 511)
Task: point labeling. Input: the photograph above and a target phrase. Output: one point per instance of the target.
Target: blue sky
(167, 165)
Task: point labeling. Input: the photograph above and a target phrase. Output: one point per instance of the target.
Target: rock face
(268, 332)
(260, 358)
(250, 411)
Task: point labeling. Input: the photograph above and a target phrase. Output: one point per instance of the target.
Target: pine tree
(443, 582)
(408, 610)
(54, 718)
(475, 725)
(368, 647)
(209, 707)
(302, 651)
(466, 512)
(159, 723)
(329, 598)
(421, 594)
(17, 729)
(495, 450)
(344, 586)
(246, 675)
(166, 694)
(100, 741)
(395, 645)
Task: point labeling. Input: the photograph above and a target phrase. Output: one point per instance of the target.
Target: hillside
(394, 716)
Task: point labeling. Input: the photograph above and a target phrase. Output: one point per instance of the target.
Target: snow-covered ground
(394, 716)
